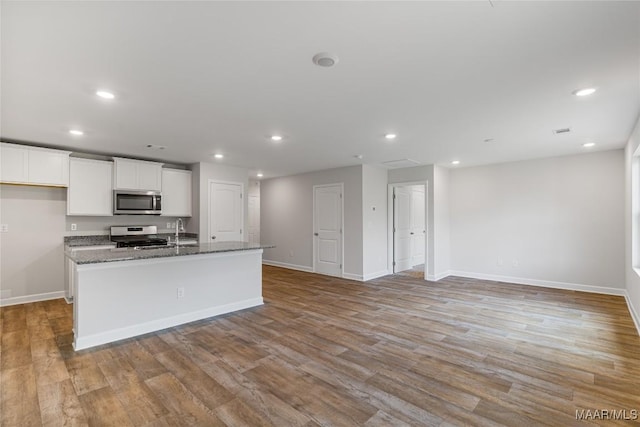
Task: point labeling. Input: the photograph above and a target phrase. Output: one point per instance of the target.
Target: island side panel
(121, 299)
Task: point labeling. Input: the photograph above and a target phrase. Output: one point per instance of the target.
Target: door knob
(315, 234)
(213, 237)
(411, 233)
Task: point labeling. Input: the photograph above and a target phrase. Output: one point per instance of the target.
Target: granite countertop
(129, 254)
(104, 239)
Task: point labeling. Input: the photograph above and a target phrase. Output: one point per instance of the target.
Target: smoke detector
(325, 59)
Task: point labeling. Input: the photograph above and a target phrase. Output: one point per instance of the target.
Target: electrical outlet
(74, 227)
(168, 225)
(4, 228)
(515, 263)
(500, 262)
(180, 292)
(173, 225)
(291, 254)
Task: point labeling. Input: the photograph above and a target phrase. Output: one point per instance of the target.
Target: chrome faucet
(179, 228)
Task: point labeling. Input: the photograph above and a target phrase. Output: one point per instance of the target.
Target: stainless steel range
(136, 235)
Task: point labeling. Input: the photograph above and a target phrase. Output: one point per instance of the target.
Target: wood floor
(323, 351)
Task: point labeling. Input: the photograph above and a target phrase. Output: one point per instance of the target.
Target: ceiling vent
(402, 163)
(562, 130)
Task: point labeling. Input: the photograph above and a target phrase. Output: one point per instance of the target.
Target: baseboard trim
(31, 298)
(542, 283)
(81, 343)
(372, 276)
(439, 276)
(634, 314)
(351, 276)
(289, 266)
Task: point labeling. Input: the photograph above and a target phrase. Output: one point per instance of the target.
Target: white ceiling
(205, 77)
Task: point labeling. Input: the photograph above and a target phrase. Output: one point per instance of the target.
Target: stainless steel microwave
(128, 202)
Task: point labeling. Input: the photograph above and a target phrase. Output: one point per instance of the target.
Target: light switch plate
(4, 228)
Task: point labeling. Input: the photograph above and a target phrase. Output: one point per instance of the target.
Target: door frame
(391, 218)
(242, 192)
(313, 230)
(248, 233)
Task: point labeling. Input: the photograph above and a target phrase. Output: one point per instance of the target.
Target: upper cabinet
(176, 192)
(33, 165)
(137, 175)
(90, 187)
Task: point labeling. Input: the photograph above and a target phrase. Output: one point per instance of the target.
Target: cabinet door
(126, 174)
(90, 188)
(149, 176)
(48, 167)
(14, 163)
(176, 192)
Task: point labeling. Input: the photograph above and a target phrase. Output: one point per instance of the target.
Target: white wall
(286, 217)
(374, 222)
(632, 234)
(441, 226)
(254, 188)
(201, 174)
(31, 253)
(556, 221)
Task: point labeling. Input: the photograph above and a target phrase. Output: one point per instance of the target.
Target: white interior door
(418, 231)
(226, 214)
(327, 208)
(402, 229)
(254, 219)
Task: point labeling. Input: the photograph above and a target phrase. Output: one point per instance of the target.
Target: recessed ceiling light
(105, 94)
(584, 92)
(76, 132)
(259, 175)
(218, 156)
(276, 138)
(358, 156)
(325, 59)
(488, 140)
(588, 144)
(390, 135)
(455, 162)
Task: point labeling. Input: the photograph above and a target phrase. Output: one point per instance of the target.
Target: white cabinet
(137, 175)
(90, 187)
(33, 165)
(15, 163)
(176, 192)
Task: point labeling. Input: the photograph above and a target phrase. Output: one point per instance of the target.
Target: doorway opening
(408, 229)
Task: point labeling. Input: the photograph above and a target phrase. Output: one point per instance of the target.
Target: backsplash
(98, 225)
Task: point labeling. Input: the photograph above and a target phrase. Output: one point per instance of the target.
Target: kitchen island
(125, 292)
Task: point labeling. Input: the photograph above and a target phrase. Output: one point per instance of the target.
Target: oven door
(136, 202)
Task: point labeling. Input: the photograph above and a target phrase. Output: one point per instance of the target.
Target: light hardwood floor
(324, 351)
